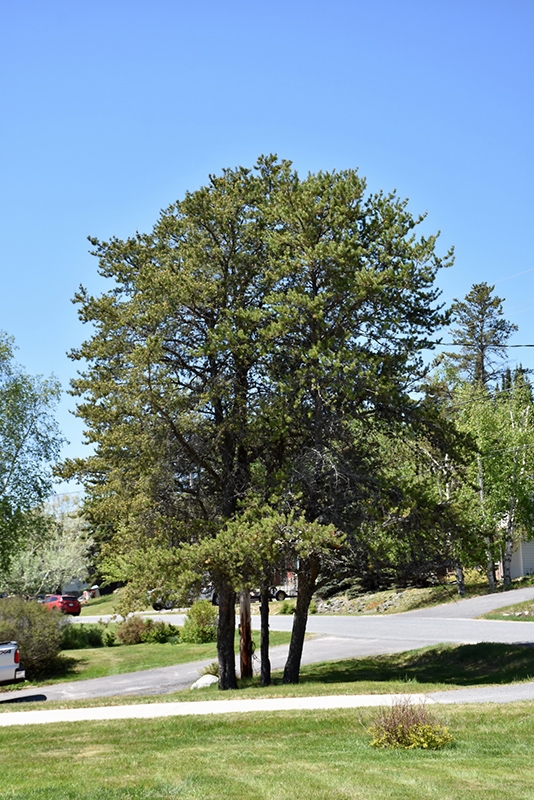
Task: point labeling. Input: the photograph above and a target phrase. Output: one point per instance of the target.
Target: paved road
(336, 637)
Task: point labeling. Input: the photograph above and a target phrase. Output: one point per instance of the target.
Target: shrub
(312, 607)
(136, 630)
(159, 632)
(36, 628)
(77, 637)
(108, 640)
(131, 630)
(200, 625)
(211, 669)
(286, 607)
(408, 726)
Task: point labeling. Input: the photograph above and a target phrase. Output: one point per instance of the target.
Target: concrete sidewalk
(154, 710)
(482, 694)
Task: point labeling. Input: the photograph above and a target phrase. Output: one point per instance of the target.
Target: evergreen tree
(482, 332)
(240, 341)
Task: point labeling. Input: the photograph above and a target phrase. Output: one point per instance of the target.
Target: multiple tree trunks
(243, 350)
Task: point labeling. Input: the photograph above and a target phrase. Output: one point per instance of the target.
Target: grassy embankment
(520, 612)
(388, 601)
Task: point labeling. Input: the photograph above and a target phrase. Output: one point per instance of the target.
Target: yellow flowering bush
(409, 726)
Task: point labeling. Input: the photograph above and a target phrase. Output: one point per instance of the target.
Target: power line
(480, 397)
(512, 450)
(457, 344)
(514, 276)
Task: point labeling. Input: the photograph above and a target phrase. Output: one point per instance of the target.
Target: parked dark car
(64, 603)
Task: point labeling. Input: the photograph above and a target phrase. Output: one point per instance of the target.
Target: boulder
(205, 680)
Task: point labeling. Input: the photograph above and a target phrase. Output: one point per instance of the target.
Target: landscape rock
(205, 680)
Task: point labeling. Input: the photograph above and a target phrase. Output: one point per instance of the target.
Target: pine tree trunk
(245, 636)
(225, 638)
(307, 578)
(265, 674)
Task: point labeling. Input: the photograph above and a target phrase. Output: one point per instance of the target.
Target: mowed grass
(311, 755)
(442, 667)
(102, 606)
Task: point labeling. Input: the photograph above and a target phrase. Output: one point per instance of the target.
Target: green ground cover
(431, 668)
(316, 755)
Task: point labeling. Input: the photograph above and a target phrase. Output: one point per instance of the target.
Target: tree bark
(307, 578)
(245, 636)
(265, 674)
(509, 545)
(490, 567)
(460, 579)
(225, 638)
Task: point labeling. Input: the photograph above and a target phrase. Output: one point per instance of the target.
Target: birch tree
(29, 446)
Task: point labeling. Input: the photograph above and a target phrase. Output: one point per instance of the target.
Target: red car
(64, 603)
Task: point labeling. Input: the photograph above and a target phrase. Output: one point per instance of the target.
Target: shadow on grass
(63, 667)
(461, 665)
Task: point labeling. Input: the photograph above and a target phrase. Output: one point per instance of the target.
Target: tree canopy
(55, 551)
(246, 348)
(29, 444)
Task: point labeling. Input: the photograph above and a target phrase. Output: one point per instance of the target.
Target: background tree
(482, 332)
(502, 426)
(29, 444)
(56, 550)
(239, 343)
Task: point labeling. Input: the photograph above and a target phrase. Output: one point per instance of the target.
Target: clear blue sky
(111, 110)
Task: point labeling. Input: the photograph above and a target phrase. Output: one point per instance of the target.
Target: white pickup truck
(10, 669)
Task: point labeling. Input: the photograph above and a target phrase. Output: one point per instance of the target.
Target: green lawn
(314, 755)
(106, 604)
